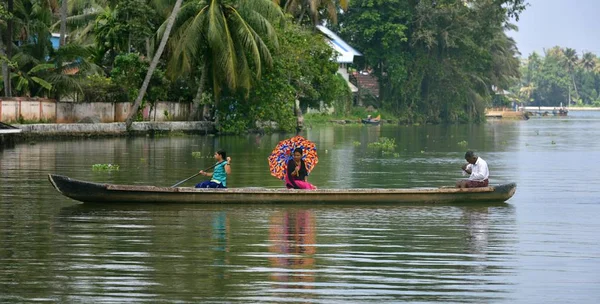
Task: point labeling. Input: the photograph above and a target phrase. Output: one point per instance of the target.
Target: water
(542, 246)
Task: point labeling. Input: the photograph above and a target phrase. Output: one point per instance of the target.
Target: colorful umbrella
(283, 153)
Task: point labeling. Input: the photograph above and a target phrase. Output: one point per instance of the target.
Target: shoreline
(556, 108)
(113, 129)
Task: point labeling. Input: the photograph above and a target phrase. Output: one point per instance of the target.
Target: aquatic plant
(463, 143)
(105, 167)
(384, 143)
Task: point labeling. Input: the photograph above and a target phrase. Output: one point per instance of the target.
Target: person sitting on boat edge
(478, 170)
(220, 172)
(296, 175)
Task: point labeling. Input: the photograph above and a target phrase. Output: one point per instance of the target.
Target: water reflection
(543, 242)
(292, 235)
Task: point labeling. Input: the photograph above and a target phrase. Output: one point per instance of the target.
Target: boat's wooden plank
(294, 191)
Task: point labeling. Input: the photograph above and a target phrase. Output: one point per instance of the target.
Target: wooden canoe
(89, 192)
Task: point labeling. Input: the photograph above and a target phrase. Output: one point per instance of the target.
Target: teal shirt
(219, 174)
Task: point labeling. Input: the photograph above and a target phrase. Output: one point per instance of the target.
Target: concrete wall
(71, 112)
(30, 109)
(175, 111)
(47, 110)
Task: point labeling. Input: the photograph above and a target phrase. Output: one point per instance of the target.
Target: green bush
(98, 88)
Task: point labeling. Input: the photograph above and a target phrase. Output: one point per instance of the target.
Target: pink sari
(297, 183)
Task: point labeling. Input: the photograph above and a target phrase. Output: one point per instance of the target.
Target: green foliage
(103, 89)
(197, 154)
(558, 77)
(435, 62)
(463, 143)
(232, 37)
(302, 68)
(384, 143)
(105, 167)
(129, 72)
(125, 26)
(356, 143)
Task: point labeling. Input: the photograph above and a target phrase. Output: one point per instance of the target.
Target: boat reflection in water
(293, 235)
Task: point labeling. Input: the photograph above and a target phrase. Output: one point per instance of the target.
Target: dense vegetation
(559, 76)
(438, 60)
(239, 62)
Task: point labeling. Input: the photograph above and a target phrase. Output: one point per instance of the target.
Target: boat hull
(371, 122)
(89, 192)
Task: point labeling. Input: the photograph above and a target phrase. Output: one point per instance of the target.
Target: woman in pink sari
(296, 175)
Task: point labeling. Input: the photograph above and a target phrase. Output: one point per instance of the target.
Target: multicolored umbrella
(283, 153)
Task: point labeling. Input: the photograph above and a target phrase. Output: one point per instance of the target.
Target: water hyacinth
(105, 167)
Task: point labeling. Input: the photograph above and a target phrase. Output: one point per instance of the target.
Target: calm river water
(542, 246)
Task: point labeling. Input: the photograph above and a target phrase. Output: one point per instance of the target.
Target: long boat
(89, 192)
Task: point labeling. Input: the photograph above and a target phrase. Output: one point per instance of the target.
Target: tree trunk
(196, 103)
(148, 50)
(5, 72)
(63, 23)
(299, 116)
(9, 32)
(574, 85)
(161, 48)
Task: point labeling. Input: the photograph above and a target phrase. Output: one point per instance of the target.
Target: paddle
(187, 179)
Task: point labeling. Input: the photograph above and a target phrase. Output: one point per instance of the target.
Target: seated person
(478, 170)
(296, 174)
(219, 174)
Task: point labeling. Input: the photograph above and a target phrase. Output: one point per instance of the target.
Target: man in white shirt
(478, 170)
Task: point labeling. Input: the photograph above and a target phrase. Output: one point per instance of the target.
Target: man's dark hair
(299, 150)
(222, 153)
(469, 154)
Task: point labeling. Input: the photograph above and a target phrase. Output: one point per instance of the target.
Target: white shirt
(479, 170)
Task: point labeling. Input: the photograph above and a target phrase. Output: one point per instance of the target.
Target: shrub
(102, 89)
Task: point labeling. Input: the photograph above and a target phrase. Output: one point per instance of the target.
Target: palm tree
(588, 61)
(571, 61)
(81, 18)
(315, 8)
(526, 92)
(505, 64)
(153, 64)
(597, 65)
(226, 39)
(8, 53)
(63, 22)
(3, 58)
(64, 72)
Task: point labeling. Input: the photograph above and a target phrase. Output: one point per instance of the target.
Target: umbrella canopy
(283, 153)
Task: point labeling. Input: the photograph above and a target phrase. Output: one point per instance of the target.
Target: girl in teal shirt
(220, 172)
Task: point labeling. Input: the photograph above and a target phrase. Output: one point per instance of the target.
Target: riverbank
(31, 131)
(556, 108)
(355, 117)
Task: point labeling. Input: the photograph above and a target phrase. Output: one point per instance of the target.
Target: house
(345, 52)
(365, 80)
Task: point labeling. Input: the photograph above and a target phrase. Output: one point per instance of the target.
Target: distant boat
(562, 112)
(372, 121)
